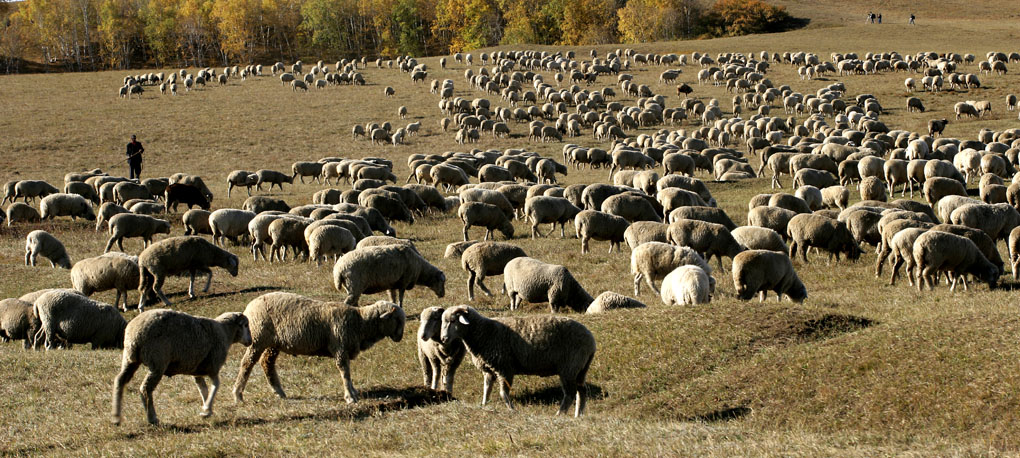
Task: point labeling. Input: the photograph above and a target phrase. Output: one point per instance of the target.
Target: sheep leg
(448, 372)
(471, 285)
(481, 285)
(426, 369)
(504, 390)
(487, 387)
(127, 371)
(191, 286)
(637, 283)
(207, 407)
(466, 227)
(148, 386)
(350, 394)
(897, 263)
(268, 363)
(157, 286)
(569, 392)
(208, 282)
(251, 355)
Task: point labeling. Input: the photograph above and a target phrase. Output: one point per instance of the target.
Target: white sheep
(609, 300)
(392, 268)
(67, 318)
(328, 240)
(597, 225)
(439, 360)
(528, 279)
(178, 255)
(686, 285)
(172, 343)
(230, 223)
(760, 271)
(937, 252)
(109, 271)
(296, 325)
(128, 225)
(652, 261)
(72, 205)
(40, 242)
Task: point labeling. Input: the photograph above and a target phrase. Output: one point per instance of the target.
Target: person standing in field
(879, 18)
(134, 158)
(911, 18)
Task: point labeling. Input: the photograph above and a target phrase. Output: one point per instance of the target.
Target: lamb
(18, 322)
(759, 238)
(241, 178)
(20, 212)
(177, 255)
(708, 239)
(487, 258)
(643, 232)
(591, 224)
(609, 300)
(761, 271)
(273, 178)
(172, 343)
(129, 225)
(486, 215)
(652, 261)
(72, 205)
(393, 268)
(109, 271)
(686, 285)
(196, 221)
(996, 220)
(439, 360)
(809, 230)
(107, 211)
(229, 223)
(179, 193)
(30, 189)
(328, 240)
(539, 345)
(39, 242)
(306, 169)
(937, 252)
(545, 209)
(534, 281)
(296, 325)
(67, 318)
(259, 204)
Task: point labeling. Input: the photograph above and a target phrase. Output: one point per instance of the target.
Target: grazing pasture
(859, 368)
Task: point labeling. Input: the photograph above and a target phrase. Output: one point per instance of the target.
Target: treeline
(103, 34)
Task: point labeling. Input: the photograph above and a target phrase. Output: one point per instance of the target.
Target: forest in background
(86, 35)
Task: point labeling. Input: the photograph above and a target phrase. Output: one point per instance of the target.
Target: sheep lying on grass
(297, 325)
(503, 348)
(172, 343)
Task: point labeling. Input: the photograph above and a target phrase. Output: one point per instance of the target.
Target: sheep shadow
(252, 289)
(723, 414)
(553, 394)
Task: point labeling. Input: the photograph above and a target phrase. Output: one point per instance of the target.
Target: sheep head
(431, 324)
(456, 320)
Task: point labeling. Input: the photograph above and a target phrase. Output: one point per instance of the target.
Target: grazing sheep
(901, 247)
(128, 190)
(761, 271)
(20, 212)
(545, 209)
(809, 230)
(288, 233)
(82, 189)
(130, 225)
(303, 169)
(983, 241)
(190, 195)
(835, 196)
(109, 271)
(72, 205)
(686, 285)
(996, 220)
(296, 325)
(229, 223)
(872, 188)
(178, 255)
(759, 238)
(488, 216)
(39, 242)
(935, 188)
(609, 300)
(392, 268)
(259, 204)
(18, 322)
(30, 189)
(196, 221)
(487, 258)
(67, 318)
(642, 232)
(631, 206)
(503, 348)
(596, 225)
(328, 240)
(528, 279)
(273, 178)
(439, 360)
(708, 239)
(391, 206)
(707, 214)
(937, 252)
(107, 211)
(652, 261)
(456, 249)
(241, 178)
(172, 343)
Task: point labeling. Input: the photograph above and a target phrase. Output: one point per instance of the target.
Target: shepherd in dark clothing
(134, 158)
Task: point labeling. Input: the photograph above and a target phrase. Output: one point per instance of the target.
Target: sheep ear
(463, 320)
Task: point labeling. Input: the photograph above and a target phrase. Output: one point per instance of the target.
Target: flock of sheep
(652, 201)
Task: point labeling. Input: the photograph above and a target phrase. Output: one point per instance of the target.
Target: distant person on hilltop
(911, 18)
(871, 17)
(134, 158)
(879, 18)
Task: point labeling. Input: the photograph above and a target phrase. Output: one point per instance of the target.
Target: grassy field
(861, 368)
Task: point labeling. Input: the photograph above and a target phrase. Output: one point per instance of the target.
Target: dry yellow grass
(860, 369)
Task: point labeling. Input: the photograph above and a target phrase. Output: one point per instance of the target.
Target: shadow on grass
(553, 394)
(724, 414)
(253, 289)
